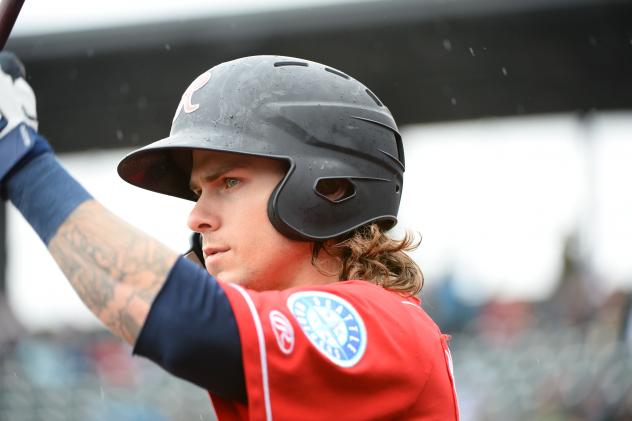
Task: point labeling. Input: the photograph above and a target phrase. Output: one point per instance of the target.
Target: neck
(324, 271)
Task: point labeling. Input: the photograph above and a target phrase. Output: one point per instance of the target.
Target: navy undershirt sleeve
(42, 190)
(191, 332)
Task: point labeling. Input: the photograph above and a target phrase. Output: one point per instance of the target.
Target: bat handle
(9, 11)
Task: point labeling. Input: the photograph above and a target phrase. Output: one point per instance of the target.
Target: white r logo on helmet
(196, 85)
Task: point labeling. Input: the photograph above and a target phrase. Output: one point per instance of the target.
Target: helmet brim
(164, 166)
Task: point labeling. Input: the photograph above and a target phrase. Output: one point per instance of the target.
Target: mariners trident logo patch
(331, 324)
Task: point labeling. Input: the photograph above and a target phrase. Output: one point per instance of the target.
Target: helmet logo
(196, 85)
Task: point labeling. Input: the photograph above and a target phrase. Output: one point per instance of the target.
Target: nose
(203, 217)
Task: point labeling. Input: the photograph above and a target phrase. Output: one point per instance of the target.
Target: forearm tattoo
(114, 268)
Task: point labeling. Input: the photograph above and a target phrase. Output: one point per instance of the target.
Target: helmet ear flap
(273, 210)
(311, 205)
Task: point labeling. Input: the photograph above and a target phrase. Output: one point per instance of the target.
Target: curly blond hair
(369, 254)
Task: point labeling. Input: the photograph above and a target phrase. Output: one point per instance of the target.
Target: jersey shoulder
(380, 310)
(332, 338)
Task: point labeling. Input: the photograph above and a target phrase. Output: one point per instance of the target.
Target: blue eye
(229, 183)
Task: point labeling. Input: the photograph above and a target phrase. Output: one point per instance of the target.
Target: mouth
(213, 252)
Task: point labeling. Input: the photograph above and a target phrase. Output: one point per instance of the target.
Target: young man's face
(240, 244)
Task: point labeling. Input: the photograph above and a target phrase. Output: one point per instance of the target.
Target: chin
(241, 279)
(231, 278)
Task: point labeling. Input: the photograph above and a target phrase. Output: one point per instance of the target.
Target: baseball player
(302, 307)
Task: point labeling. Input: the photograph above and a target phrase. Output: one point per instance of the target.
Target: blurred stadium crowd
(566, 358)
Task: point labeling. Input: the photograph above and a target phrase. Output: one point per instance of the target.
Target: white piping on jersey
(411, 304)
(262, 349)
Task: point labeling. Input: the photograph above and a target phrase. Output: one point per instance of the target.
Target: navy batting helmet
(323, 123)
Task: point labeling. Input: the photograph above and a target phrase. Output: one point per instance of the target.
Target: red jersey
(348, 350)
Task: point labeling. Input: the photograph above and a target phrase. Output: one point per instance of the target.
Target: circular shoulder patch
(331, 324)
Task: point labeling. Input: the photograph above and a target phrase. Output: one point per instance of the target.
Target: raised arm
(114, 268)
(170, 309)
(117, 276)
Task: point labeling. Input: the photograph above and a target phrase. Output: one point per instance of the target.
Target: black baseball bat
(9, 11)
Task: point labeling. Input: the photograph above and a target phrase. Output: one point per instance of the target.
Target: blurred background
(517, 125)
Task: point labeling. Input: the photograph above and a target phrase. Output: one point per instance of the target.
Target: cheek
(247, 226)
(251, 218)
(261, 252)
(283, 254)
(263, 249)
